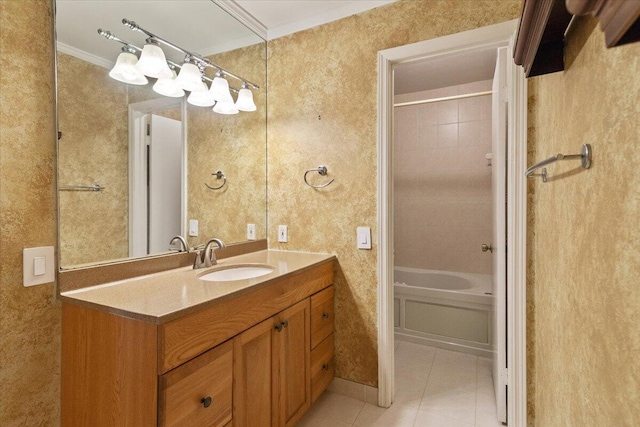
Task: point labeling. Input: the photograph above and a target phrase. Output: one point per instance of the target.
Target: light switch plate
(193, 227)
(251, 232)
(38, 266)
(283, 234)
(364, 237)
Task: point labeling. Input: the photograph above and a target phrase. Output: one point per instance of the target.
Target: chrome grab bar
(584, 156)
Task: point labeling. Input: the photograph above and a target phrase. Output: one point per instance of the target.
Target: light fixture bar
(110, 36)
(203, 61)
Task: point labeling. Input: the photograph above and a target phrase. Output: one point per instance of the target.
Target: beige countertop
(168, 295)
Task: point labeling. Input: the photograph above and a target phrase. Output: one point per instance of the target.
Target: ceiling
(283, 17)
(188, 24)
(442, 72)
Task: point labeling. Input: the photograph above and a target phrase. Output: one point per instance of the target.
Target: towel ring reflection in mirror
(218, 175)
(322, 170)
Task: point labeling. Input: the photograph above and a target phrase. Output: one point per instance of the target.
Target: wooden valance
(540, 43)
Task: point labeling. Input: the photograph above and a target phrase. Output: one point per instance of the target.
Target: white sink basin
(241, 272)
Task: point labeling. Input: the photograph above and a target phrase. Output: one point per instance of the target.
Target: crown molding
(235, 10)
(85, 56)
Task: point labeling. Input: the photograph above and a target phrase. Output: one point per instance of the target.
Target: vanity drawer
(322, 367)
(199, 393)
(321, 316)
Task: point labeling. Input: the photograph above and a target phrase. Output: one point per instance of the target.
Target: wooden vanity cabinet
(221, 366)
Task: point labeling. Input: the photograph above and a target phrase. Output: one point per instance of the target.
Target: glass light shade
(190, 78)
(201, 99)
(225, 107)
(125, 70)
(168, 87)
(152, 62)
(220, 89)
(245, 100)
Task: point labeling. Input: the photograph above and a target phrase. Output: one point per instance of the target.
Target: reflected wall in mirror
(153, 155)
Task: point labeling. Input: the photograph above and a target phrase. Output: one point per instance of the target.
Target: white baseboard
(355, 390)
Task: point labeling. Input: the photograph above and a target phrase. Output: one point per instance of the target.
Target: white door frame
(137, 167)
(482, 38)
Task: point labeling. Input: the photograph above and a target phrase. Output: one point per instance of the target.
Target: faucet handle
(201, 260)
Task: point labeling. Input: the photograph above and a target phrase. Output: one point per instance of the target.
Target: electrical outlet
(282, 234)
(251, 232)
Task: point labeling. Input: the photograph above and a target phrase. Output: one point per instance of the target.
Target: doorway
(512, 94)
(157, 174)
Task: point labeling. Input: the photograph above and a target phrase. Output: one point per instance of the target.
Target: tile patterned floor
(434, 388)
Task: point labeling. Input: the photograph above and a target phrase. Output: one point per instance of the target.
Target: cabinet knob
(325, 367)
(325, 315)
(206, 401)
(282, 325)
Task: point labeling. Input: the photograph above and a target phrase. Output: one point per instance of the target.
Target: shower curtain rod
(445, 98)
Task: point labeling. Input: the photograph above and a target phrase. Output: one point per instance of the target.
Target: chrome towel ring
(322, 170)
(218, 175)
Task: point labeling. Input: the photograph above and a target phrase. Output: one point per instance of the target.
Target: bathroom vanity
(170, 349)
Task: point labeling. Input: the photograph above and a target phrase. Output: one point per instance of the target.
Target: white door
(498, 190)
(165, 182)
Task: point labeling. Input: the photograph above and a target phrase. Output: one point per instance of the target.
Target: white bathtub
(444, 309)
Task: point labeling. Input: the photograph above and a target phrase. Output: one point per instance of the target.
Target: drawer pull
(325, 315)
(206, 401)
(325, 367)
(282, 325)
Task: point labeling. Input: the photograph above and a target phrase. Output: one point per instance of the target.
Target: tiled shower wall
(442, 188)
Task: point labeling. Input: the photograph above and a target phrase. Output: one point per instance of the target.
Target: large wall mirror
(136, 167)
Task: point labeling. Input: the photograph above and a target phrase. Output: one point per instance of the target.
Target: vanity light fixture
(125, 70)
(168, 86)
(152, 62)
(220, 88)
(190, 78)
(245, 99)
(201, 99)
(225, 107)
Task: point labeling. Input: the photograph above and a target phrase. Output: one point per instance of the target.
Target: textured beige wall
(235, 145)
(322, 110)
(442, 181)
(29, 317)
(93, 117)
(587, 237)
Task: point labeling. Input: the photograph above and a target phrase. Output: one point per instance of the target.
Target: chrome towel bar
(94, 187)
(584, 156)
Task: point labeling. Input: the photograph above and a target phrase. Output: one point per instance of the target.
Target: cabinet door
(291, 356)
(252, 376)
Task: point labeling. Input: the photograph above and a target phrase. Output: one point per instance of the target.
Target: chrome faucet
(183, 243)
(208, 256)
